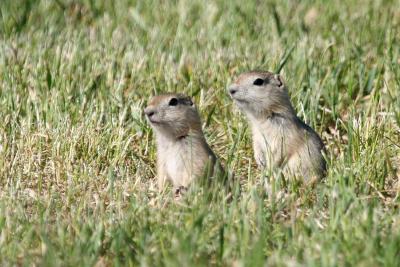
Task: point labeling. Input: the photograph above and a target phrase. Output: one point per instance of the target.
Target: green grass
(77, 156)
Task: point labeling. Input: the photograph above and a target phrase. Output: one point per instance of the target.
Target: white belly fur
(182, 163)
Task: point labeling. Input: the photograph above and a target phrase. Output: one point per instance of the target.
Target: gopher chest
(269, 146)
(183, 163)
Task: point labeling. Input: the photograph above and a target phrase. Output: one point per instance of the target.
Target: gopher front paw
(180, 191)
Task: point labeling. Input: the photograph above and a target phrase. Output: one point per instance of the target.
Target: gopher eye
(258, 82)
(173, 102)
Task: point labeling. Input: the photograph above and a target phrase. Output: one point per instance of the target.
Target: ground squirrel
(280, 138)
(182, 150)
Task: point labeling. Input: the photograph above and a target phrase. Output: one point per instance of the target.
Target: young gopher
(280, 138)
(182, 151)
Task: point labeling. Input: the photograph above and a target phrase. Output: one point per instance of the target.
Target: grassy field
(77, 158)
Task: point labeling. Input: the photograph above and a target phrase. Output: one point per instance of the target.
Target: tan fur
(182, 151)
(280, 138)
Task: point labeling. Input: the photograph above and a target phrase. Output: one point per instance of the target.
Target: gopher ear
(281, 82)
(188, 101)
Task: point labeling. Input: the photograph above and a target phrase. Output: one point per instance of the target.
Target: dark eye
(258, 82)
(173, 102)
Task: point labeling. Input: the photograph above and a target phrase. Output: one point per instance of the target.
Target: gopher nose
(149, 112)
(232, 90)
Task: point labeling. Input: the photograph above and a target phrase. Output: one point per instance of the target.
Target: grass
(77, 156)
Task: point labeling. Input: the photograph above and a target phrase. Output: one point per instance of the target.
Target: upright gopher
(182, 150)
(280, 138)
